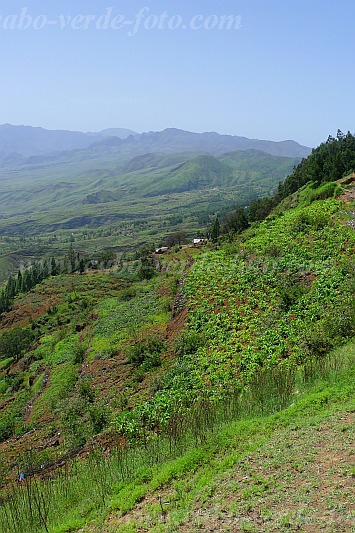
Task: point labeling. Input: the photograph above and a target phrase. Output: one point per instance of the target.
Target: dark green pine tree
(4, 302)
(81, 266)
(19, 285)
(215, 229)
(72, 259)
(45, 269)
(54, 267)
(26, 280)
(35, 274)
(10, 288)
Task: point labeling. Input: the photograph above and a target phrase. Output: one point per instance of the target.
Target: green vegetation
(328, 162)
(183, 470)
(314, 178)
(156, 379)
(116, 210)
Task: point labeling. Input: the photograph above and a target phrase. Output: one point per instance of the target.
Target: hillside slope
(292, 471)
(142, 201)
(106, 360)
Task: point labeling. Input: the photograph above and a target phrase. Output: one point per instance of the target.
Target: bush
(16, 383)
(7, 427)
(98, 418)
(147, 351)
(74, 426)
(291, 290)
(127, 294)
(14, 342)
(337, 325)
(188, 343)
(79, 354)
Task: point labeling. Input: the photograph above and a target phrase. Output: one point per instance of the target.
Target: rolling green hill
(26, 191)
(140, 201)
(139, 189)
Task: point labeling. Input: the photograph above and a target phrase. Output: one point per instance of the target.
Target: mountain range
(19, 144)
(51, 180)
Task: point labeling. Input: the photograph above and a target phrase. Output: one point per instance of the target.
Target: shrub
(188, 343)
(79, 354)
(16, 382)
(147, 351)
(7, 427)
(290, 292)
(73, 424)
(15, 342)
(98, 418)
(127, 294)
(85, 389)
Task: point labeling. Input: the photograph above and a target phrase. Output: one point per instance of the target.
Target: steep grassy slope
(292, 471)
(116, 360)
(229, 471)
(85, 333)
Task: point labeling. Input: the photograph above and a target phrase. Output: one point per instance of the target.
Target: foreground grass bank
(238, 466)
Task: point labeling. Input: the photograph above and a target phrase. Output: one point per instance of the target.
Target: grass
(267, 474)
(231, 464)
(120, 321)
(62, 379)
(242, 358)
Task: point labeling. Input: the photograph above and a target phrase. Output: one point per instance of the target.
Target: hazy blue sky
(286, 73)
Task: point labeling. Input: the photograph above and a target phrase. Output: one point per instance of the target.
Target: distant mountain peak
(36, 141)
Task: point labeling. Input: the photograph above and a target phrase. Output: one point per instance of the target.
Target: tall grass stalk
(84, 487)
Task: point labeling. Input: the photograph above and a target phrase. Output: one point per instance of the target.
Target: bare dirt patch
(348, 195)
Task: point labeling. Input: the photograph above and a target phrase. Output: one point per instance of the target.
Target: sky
(282, 69)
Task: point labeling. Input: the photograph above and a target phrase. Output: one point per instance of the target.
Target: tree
(19, 281)
(45, 269)
(72, 259)
(260, 208)
(328, 162)
(236, 222)
(147, 270)
(81, 266)
(175, 238)
(14, 342)
(54, 267)
(215, 229)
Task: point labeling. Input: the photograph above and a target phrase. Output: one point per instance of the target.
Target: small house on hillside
(162, 250)
(197, 242)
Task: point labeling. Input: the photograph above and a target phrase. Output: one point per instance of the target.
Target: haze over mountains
(24, 141)
(64, 180)
(17, 143)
